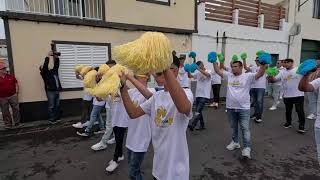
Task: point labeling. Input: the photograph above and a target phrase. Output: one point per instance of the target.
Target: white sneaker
(119, 159)
(246, 152)
(112, 166)
(278, 102)
(99, 146)
(99, 132)
(233, 146)
(258, 120)
(273, 108)
(85, 124)
(311, 116)
(111, 141)
(78, 125)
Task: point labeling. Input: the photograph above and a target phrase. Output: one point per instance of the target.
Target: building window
(162, 2)
(316, 9)
(74, 53)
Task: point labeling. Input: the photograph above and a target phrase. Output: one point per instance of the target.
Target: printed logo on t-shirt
(235, 83)
(160, 118)
(135, 103)
(290, 77)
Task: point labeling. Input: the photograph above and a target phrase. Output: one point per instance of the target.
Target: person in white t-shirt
(311, 83)
(169, 110)
(275, 88)
(216, 85)
(238, 102)
(183, 76)
(203, 90)
(291, 94)
(257, 91)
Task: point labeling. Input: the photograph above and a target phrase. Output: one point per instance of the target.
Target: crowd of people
(162, 115)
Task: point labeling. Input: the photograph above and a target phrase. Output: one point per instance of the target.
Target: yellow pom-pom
(85, 70)
(90, 91)
(107, 86)
(116, 69)
(78, 68)
(103, 69)
(150, 53)
(90, 79)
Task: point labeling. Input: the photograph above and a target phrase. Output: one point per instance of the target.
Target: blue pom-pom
(212, 57)
(192, 54)
(307, 66)
(193, 67)
(187, 67)
(265, 58)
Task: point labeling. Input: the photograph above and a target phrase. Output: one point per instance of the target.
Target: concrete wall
(31, 42)
(179, 15)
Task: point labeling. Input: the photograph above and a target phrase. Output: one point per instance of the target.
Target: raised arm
(304, 84)
(261, 72)
(177, 93)
(246, 66)
(218, 70)
(142, 89)
(56, 63)
(204, 72)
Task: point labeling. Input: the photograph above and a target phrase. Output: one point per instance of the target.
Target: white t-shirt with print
(203, 84)
(238, 90)
(316, 85)
(139, 129)
(261, 82)
(183, 78)
(98, 103)
(290, 81)
(119, 116)
(86, 96)
(215, 78)
(168, 128)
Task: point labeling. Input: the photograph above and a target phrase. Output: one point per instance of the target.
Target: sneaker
(52, 122)
(311, 117)
(99, 146)
(258, 120)
(287, 125)
(121, 158)
(233, 145)
(253, 118)
(83, 134)
(85, 124)
(78, 125)
(111, 141)
(112, 166)
(301, 130)
(100, 131)
(212, 105)
(278, 102)
(246, 153)
(273, 108)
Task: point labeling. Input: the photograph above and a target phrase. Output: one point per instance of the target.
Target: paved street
(277, 153)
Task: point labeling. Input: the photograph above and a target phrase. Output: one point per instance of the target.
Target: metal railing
(89, 9)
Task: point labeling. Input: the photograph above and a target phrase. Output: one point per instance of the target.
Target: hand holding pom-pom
(220, 57)
(307, 66)
(212, 57)
(244, 56)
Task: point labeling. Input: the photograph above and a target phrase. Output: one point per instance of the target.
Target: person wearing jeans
(94, 116)
(276, 88)
(257, 91)
(312, 104)
(203, 90)
(238, 102)
(291, 94)
(52, 86)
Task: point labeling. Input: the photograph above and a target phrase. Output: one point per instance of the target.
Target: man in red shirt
(9, 97)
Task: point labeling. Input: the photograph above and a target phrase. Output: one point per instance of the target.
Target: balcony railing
(245, 12)
(88, 9)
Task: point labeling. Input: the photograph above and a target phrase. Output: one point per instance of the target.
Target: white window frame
(66, 69)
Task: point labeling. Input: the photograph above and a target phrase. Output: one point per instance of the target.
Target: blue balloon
(192, 54)
(307, 66)
(187, 67)
(193, 67)
(212, 57)
(265, 58)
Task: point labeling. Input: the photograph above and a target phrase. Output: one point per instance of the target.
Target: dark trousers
(86, 110)
(4, 106)
(118, 135)
(298, 102)
(216, 92)
(200, 102)
(53, 105)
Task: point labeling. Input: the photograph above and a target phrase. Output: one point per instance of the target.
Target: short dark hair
(199, 63)
(239, 62)
(289, 60)
(96, 68)
(176, 62)
(111, 62)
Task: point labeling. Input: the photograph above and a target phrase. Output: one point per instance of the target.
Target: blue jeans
(135, 160)
(95, 116)
(200, 102)
(275, 92)
(317, 136)
(257, 98)
(240, 117)
(312, 102)
(53, 105)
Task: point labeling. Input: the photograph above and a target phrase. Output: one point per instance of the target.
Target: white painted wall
(239, 39)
